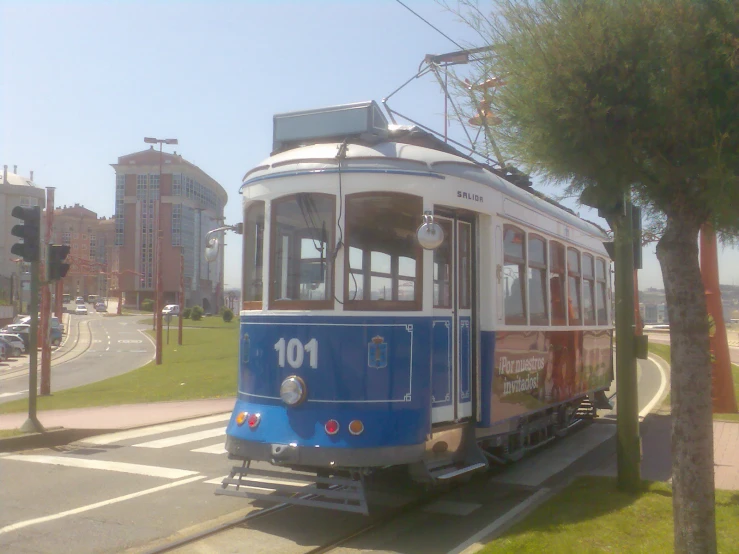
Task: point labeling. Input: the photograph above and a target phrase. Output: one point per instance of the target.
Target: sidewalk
(657, 459)
(125, 416)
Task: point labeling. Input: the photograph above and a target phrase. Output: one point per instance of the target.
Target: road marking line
(662, 386)
(264, 480)
(112, 438)
(182, 439)
(121, 467)
(215, 449)
(6, 394)
(473, 544)
(219, 481)
(81, 509)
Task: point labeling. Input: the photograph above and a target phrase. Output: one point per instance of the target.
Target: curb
(47, 439)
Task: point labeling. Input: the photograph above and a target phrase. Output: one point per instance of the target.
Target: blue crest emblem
(245, 346)
(377, 353)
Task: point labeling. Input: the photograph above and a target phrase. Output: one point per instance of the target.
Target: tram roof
(409, 148)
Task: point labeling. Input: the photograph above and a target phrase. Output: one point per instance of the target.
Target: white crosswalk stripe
(114, 438)
(218, 448)
(183, 439)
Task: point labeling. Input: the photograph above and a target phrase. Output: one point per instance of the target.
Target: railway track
(82, 343)
(372, 523)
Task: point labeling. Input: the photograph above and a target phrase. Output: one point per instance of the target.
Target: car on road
(79, 300)
(100, 307)
(55, 336)
(15, 344)
(4, 352)
(171, 309)
(81, 309)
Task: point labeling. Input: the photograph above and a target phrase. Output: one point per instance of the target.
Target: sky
(82, 83)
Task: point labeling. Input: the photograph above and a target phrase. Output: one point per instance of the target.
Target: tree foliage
(618, 93)
(641, 97)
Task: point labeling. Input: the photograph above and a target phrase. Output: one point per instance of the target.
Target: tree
(639, 96)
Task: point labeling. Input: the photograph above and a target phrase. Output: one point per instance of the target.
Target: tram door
(452, 329)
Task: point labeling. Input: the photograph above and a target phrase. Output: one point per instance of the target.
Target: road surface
(96, 347)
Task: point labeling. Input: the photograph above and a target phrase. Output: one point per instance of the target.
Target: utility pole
(158, 252)
(625, 222)
(182, 295)
(628, 445)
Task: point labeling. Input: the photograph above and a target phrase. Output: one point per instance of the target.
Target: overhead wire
(442, 33)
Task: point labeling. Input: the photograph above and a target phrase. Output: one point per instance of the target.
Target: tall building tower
(190, 203)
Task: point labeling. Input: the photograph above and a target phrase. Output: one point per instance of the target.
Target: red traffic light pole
(45, 389)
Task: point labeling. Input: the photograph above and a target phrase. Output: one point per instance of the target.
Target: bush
(228, 315)
(147, 305)
(197, 313)
(186, 313)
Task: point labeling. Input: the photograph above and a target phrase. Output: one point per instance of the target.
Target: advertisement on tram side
(534, 369)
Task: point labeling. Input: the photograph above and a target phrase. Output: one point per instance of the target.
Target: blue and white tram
(361, 349)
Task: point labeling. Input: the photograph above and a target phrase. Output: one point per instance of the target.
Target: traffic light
(57, 269)
(29, 231)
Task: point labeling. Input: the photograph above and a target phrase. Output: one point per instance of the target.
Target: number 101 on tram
(404, 306)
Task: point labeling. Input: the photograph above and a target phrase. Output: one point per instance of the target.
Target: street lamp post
(158, 251)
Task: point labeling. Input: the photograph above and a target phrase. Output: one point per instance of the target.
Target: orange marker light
(356, 427)
(241, 418)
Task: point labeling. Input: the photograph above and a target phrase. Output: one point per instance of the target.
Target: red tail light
(253, 420)
(331, 427)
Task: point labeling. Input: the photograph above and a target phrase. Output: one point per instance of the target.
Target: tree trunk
(692, 421)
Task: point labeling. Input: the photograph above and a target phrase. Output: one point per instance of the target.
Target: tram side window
(302, 236)
(600, 292)
(573, 288)
(383, 266)
(557, 282)
(588, 289)
(253, 255)
(514, 280)
(538, 313)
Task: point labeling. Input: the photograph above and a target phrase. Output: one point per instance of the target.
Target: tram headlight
(293, 390)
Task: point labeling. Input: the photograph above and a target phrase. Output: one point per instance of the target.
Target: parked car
(22, 330)
(15, 344)
(81, 309)
(92, 298)
(56, 324)
(55, 336)
(79, 300)
(4, 352)
(100, 307)
(171, 309)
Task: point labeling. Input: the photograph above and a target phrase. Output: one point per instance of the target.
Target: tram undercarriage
(452, 454)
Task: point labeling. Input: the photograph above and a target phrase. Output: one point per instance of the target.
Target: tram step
(451, 473)
(333, 492)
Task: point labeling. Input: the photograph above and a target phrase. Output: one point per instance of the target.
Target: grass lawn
(7, 433)
(211, 322)
(592, 515)
(205, 366)
(663, 351)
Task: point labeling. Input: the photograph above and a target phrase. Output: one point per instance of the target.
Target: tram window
(443, 267)
(465, 275)
(514, 281)
(588, 289)
(538, 313)
(382, 269)
(302, 235)
(573, 289)
(600, 291)
(557, 282)
(253, 255)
